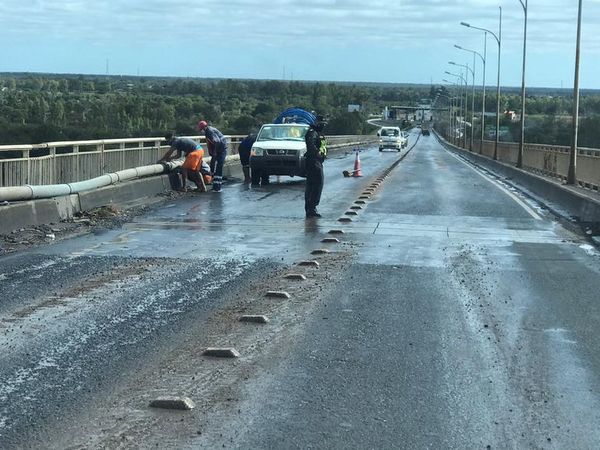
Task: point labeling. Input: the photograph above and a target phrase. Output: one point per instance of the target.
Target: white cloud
(329, 25)
(282, 21)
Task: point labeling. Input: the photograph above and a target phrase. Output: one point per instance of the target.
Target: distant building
(353, 108)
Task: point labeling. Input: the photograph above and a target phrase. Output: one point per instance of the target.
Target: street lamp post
(522, 141)
(450, 104)
(572, 174)
(452, 114)
(499, 41)
(458, 105)
(463, 110)
(472, 98)
(483, 88)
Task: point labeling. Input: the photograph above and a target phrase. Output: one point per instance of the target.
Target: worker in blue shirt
(217, 149)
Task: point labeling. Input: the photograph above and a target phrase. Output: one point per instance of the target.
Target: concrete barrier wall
(550, 160)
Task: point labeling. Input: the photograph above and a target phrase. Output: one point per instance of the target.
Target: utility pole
(468, 69)
(499, 41)
(498, 88)
(522, 140)
(572, 174)
(483, 95)
(483, 90)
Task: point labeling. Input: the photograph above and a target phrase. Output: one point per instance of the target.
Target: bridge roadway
(453, 314)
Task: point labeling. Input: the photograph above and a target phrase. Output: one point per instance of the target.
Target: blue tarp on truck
(296, 115)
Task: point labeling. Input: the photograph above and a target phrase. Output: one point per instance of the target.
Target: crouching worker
(192, 166)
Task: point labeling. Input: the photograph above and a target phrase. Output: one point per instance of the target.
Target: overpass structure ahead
(420, 113)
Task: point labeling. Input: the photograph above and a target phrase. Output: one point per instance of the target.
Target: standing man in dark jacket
(314, 167)
(217, 149)
(244, 151)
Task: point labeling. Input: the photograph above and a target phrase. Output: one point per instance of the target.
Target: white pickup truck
(279, 150)
(392, 137)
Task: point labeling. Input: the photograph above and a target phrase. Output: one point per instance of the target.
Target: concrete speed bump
(320, 251)
(221, 352)
(360, 202)
(277, 294)
(179, 403)
(356, 207)
(364, 197)
(309, 263)
(351, 213)
(254, 318)
(344, 219)
(336, 231)
(330, 240)
(295, 276)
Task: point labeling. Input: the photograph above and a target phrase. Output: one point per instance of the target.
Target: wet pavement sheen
(465, 316)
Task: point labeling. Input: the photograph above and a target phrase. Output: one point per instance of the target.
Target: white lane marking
(521, 203)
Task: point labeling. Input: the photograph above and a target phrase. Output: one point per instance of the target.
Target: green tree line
(41, 108)
(548, 118)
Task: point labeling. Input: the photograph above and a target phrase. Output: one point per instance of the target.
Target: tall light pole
(572, 174)
(472, 95)
(522, 141)
(483, 86)
(499, 41)
(450, 103)
(452, 115)
(464, 110)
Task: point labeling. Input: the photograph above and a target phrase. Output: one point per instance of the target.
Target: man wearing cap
(192, 166)
(315, 155)
(217, 149)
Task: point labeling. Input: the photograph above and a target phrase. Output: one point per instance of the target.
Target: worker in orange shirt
(192, 166)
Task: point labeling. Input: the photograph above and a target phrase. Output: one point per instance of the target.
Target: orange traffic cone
(356, 172)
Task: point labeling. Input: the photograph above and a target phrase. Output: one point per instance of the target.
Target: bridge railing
(72, 161)
(549, 160)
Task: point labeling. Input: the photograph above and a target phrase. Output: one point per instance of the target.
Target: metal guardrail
(549, 160)
(73, 161)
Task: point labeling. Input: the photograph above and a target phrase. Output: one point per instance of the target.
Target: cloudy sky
(346, 40)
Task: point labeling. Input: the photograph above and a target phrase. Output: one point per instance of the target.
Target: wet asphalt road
(78, 316)
(462, 317)
(465, 321)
